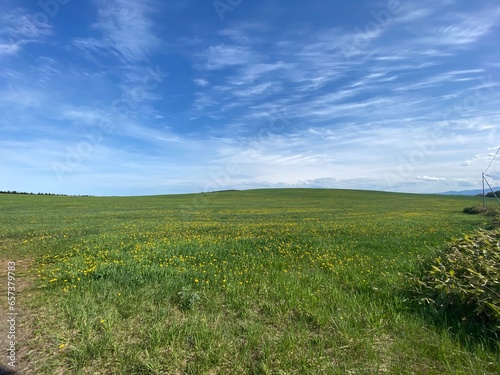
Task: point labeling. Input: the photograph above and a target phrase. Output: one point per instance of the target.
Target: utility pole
(484, 199)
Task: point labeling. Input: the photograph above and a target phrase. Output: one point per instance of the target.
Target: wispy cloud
(125, 28)
(223, 56)
(9, 48)
(465, 28)
(428, 178)
(408, 104)
(19, 29)
(200, 82)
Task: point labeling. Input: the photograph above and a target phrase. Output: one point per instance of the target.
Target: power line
(485, 180)
(494, 157)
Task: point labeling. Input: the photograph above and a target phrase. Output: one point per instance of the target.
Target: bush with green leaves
(465, 278)
(477, 209)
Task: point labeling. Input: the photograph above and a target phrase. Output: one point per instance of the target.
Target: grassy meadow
(284, 281)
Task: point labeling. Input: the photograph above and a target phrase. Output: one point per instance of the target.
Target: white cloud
(9, 48)
(259, 89)
(253, 72)
(126, 31)
(223, 56)
(200, 82)
(465, 29)
(19, 24)
(18, 29)
(430, 179)
(88, 116)
(22, 98)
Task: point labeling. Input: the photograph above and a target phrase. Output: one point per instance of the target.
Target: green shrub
(465, 278)
(477, 209)
(493, 211)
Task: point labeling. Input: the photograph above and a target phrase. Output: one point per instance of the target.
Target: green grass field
(285, 281)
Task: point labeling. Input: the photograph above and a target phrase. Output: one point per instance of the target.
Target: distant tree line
(490, 194)
(26, 193)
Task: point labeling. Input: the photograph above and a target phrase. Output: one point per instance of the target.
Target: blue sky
(123, 97)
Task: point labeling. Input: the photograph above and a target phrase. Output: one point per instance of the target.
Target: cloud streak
(125, 31)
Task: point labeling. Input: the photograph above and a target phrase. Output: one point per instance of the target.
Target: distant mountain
(469, 192)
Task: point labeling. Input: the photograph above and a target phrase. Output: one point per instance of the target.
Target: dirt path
(14, 318)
